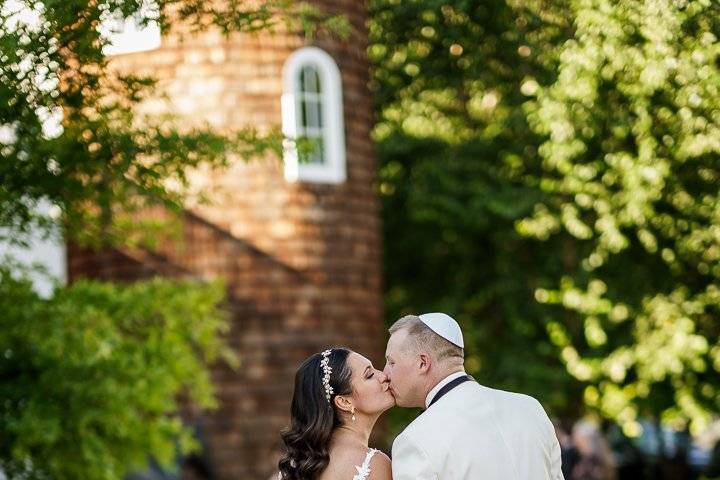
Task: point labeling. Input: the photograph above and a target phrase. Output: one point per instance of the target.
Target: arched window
(312, 112)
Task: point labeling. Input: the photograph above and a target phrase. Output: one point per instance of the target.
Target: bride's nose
(382, 377)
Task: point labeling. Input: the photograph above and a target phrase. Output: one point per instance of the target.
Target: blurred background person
(568, 453)
(595, 460)
(712, 470)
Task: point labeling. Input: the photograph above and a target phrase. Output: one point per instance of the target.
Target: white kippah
(445, 326)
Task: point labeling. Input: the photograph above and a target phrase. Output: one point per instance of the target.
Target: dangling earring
(353, 414)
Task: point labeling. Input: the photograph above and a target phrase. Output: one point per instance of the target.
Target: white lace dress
(364, 469)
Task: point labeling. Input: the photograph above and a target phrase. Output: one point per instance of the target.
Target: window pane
(311, 148)
(311, 113)
(309, 80)
(302, 121)
(317, 157)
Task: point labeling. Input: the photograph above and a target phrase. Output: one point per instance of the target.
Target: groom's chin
(403, 404)
(399, 402)
(390, 405)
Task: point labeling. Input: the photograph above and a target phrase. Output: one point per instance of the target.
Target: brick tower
(297, 243)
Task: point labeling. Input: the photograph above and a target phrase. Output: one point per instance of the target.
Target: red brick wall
(301, 260)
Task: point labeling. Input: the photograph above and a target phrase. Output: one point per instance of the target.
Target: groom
(468, 431)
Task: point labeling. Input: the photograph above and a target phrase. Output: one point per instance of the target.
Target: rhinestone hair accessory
(326, 370)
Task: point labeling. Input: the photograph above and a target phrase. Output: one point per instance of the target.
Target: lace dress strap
(364, 469)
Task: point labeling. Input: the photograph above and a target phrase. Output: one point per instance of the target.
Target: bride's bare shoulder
(380, 467)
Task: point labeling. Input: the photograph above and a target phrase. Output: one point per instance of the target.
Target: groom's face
(401, 370)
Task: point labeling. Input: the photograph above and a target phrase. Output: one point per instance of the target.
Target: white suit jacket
(478, 433)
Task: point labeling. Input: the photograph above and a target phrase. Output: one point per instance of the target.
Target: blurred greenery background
(549, 173)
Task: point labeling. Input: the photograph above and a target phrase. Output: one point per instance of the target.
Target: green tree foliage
(549, 173)
(108, 161)
(454, 145)
(90, 377)
(631, 166)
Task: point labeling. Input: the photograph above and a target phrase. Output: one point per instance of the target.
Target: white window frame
(126, 35)
(333, 170)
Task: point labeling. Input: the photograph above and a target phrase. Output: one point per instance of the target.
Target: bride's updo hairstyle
(313, 414)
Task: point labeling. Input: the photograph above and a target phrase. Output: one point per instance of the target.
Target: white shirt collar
(440, 385)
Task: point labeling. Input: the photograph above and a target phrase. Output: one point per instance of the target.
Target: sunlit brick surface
(301, 261)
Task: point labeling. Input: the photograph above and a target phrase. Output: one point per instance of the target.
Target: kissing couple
(466, 432)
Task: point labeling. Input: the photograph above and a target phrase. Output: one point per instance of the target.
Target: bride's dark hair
(306, 442)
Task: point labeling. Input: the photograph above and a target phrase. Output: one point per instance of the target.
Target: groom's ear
(425, 362)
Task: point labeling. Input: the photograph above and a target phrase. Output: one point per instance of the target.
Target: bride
(338, 397)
